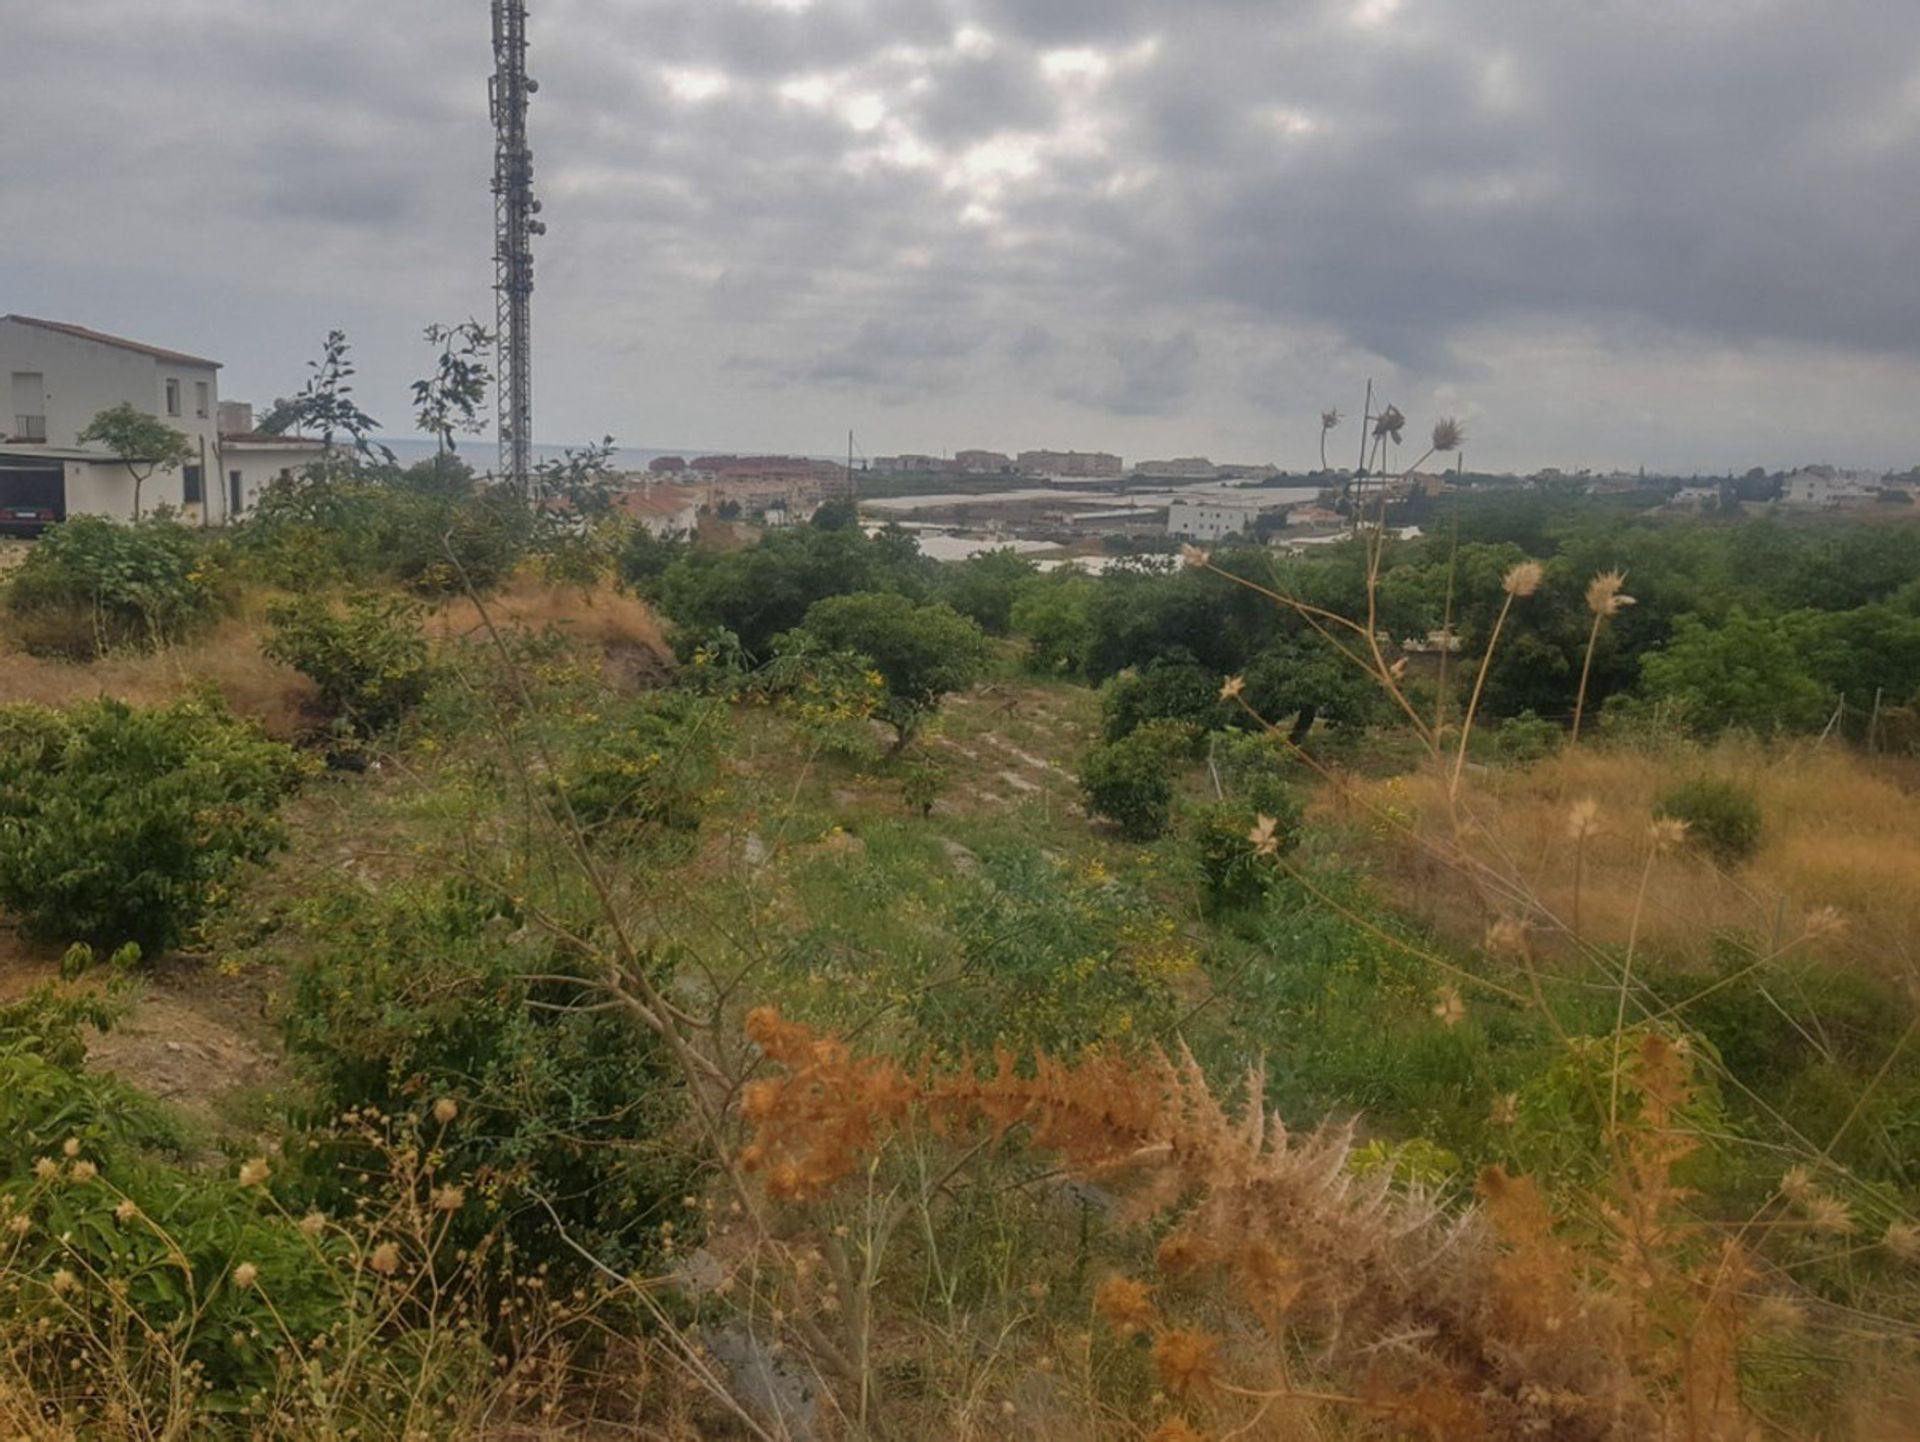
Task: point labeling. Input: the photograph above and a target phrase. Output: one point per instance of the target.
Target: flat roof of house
(80, 332)
(271, 439)
(18, 451)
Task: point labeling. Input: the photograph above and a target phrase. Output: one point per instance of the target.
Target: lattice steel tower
(516, 223)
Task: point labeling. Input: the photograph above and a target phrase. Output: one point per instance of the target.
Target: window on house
(193, 486)
(236, 494)
(173, 398)
(202, 396)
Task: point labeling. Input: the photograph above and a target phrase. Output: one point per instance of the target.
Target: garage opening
(31, 498)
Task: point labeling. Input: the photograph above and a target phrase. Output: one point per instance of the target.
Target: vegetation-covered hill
(636, 988)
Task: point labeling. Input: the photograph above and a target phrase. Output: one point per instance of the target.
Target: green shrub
(1056, 956)
(1233, 872)
(920, 652)
(121, 825)
(91, 585)
(1130, 781)
(433, 531)
(440, 993)
(649, 768)
(922, 781)
(1168, 688)
(1723, 817)
(1526, 737)
(371, 664)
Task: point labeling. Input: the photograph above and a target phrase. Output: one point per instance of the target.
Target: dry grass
(1841, 832)
(227, 658)
(623, 629)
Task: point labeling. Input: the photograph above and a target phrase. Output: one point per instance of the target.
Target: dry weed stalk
(1471, 1325)
(1604, 600)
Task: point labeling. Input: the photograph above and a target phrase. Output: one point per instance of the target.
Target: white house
(1210, 520)
(251, 460)
(1828, 486)
(59, 377)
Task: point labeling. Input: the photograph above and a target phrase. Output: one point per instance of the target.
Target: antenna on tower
(516, 223)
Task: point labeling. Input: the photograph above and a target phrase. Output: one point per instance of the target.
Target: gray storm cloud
(1609, 232)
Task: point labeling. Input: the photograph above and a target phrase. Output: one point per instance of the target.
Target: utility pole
(515, 226)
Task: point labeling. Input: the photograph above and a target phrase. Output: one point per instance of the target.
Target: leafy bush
(1233, 872)
(1055, 956)
(1051, 611)
(922, 780)
(441, 993)
(91, 585)
(1168, 688)
(1130, 781)
(766, 589)
(1526, 738)
(985, 587)
(921, 652)
(120, 825)
(371, 664)
(649, 768)
(1722, 816)
(432, 529)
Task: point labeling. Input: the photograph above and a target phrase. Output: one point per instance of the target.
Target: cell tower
(516, 223)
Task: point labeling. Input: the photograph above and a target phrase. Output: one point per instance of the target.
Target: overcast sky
(1679, 233)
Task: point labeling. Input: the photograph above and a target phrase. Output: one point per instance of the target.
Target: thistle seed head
(1524, 579)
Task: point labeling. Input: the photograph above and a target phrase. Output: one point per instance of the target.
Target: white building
(1210, 520)
(664, 511)
(251, 460)
(59, 377)
(1828, 486)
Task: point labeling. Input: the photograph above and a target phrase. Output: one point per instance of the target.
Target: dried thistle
(1265, 842)
(1902, 1241)
(1825, 922)
(1125, 1305)
(1779, 1315)
(1389, 423)
(1667, 833)
(254, 1171)
(1187, 1362)
(1448, 434)
(449, 1199)
(1174, 1429)
(1798, 1187)
(1232, 687)
(1583, 819)
(245, 1275)
(445, 1110)
(1448, 1006)
(1330, 418)
(1829, 1216)
(84, 1171)
(1192, 555)
(126, 1211)
(1523, 579)
(385, 1259)
(1603, 594)
(1507, 936)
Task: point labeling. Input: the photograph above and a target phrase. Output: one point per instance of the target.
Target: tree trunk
(1302, 724)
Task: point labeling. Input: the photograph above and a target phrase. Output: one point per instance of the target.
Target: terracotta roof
(658, 501)
(80, 332)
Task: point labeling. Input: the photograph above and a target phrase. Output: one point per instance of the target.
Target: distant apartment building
(1211, 520)
(59, 377)
(792, 486)
(1185, 468)
(983, 463)
(1829, 486)
(1228, 471)
(910, 464)
(1083, 465)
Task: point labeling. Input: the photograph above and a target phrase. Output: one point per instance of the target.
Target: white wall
(86, 377)
(259, 467)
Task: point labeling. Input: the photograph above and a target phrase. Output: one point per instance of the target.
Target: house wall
(83, 378)
(259, 467)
